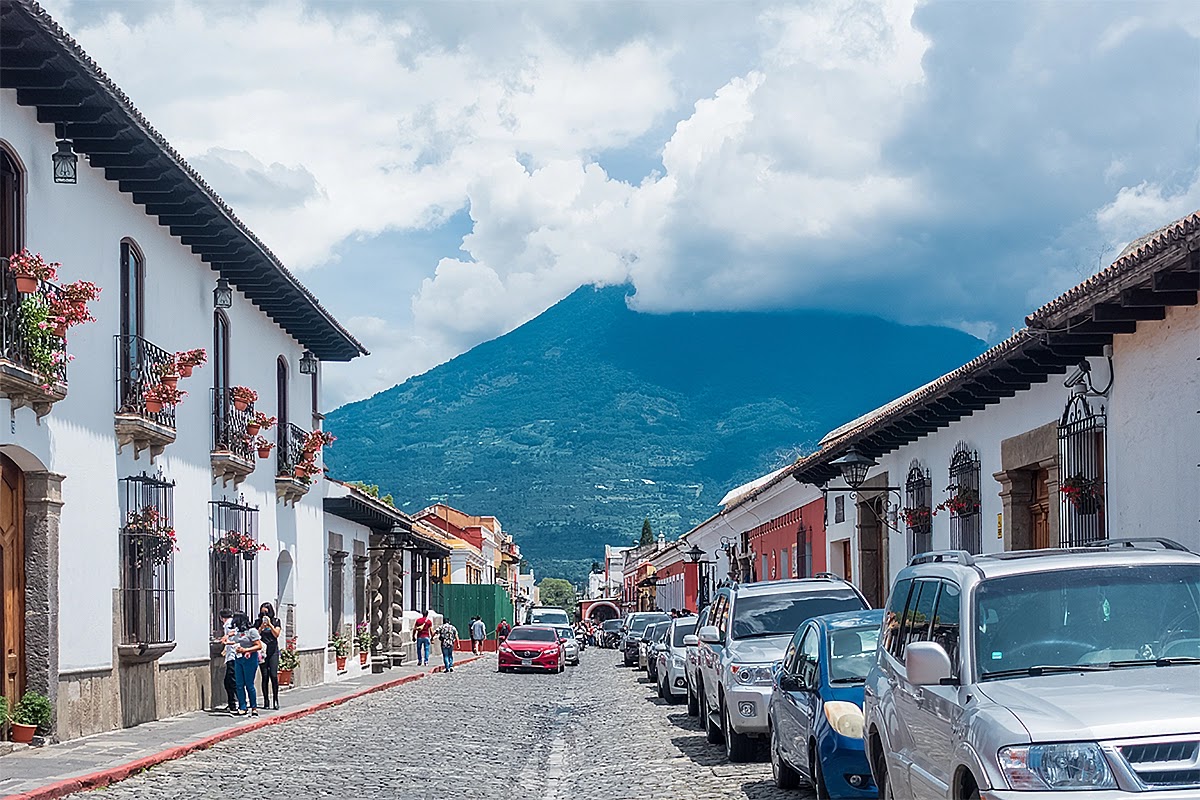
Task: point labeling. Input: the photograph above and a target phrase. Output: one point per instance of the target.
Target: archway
(602, 611)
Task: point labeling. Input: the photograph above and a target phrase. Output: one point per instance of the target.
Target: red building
(791, 545)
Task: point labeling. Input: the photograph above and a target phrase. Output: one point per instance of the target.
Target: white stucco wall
(82, 226)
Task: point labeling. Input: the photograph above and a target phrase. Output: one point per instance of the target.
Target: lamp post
(222, 294)
(696, 556)
(308, 363)
(854, 467)
(65, 163)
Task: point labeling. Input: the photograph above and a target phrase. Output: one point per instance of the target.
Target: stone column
(43, 503)
(1015, 494)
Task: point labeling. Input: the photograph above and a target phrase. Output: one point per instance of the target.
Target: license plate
(526, 662)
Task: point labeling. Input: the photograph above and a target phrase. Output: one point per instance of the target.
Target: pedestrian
(502, 631)
(424, 632)
(230, 657)
(270, 631)
(478, 634)
(247, 644)
(448, 637)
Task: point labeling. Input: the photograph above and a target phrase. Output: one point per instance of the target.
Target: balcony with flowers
(35, 315)
(296, 466)
(236, 434)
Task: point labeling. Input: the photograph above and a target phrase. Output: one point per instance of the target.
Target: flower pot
(170, 381)
(341, 663)
(252, 428)
(23, 734)
(26, 284)
(61, 331)
(264, 452)
(248, 555)
(301, 472)
(1085, 504)
(240, 405)
(285, 677)
(153, 407)
(362, 658)
(185, 370)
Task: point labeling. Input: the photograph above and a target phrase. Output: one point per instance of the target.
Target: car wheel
(712, 732)
(818, 774)
(883, 779)
(785, 777)
(739, 747)
(693, 702)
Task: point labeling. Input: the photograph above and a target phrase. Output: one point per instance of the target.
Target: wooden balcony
(141, 365)
(33, 360)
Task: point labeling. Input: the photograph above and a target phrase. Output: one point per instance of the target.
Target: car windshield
(851, 653)
(1096, 618)
(682, 629)
(531, 635)
(639, 625)
(781, 614)
(649, 633)
(548, 615)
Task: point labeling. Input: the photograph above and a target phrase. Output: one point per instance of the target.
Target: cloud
(248, 182)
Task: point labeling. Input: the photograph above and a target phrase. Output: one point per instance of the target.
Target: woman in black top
(268, 628)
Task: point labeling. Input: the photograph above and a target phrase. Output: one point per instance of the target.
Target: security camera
(1080, 375)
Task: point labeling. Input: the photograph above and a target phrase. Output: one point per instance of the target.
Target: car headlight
(677, 662)
(505, 648)
(747, 674)
(845, 718)
(1070, 765)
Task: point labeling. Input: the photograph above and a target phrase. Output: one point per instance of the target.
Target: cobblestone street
(598, 730)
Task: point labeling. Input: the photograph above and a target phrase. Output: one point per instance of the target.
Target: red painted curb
(104, 777)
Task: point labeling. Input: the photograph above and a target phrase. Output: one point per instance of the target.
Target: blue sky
(442, 172)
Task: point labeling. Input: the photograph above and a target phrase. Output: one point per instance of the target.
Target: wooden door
(847, 570)
(12, 582)
(1039, 510)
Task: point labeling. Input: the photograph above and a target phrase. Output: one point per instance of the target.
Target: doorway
(12, 581)
(1039, 509)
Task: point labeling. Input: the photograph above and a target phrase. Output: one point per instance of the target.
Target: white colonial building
(97, 610)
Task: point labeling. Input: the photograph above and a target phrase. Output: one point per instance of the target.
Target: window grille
(147, 542)
(233, 558)
(966, 521)
(918, 509)
(839, 509)
(1081, 457)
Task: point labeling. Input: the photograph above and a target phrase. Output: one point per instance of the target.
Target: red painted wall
(778, 539)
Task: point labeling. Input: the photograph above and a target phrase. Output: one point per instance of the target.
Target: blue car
(815, 712)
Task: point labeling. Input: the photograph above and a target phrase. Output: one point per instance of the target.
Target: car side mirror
(789, 683)
(562, 640)
(926, 663)
(691, 640)
(710, 635)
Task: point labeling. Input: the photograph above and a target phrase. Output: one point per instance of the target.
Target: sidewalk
(41, 773)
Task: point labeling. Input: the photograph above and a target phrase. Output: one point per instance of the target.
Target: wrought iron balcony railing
(140, 366)
(291, 448)
(23, 342)
(229, 426)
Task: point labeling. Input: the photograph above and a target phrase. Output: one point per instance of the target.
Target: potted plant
(318, 439)
(363, 638)
(916, 517)
(288, 663)
(341, 650)
(157, 540)
(33, 711)
(29, 269)
(962, 502)
(69, 305)
(162, 395)
(46, 351)
(243, 397)
(259, 421)
(264, 447)
(1082, 493)
(236, 542)
(187, 360)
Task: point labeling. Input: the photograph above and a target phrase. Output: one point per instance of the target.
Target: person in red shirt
(424, 634)
(502, 631)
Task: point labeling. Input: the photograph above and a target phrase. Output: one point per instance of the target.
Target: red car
(532, 647)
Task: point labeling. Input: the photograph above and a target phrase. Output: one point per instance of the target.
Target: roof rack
(942, 556)
(829, 576)
(1163, 543)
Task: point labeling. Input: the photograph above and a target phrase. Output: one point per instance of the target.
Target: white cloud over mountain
(950, 163)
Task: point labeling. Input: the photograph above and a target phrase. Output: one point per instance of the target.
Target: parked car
(815, 714)
(647, 640)
(654, 647)
(570, 645)
(672, 655)
(747, 631)
(631, 633)
(547, 615)
(1040, 673)
(610, 633)
(531, 647)
(691, 665)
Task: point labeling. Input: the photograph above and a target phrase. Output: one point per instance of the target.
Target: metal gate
(1081, 461)
(918, 511)
(966, 521)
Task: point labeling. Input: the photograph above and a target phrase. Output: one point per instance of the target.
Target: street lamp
(223, 294)
(854, 467)
(695, 554)
(308, 363)
(65, 163)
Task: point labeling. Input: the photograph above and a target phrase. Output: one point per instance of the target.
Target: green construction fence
(458, 602)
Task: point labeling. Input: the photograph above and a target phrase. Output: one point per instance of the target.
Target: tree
(557, 592)
(647, 534)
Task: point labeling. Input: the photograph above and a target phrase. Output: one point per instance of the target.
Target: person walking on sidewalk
(447, 637)
(424, 633)
(247, 644)
(230, 657)
(478, 634)
(502, 631)
(270, 630)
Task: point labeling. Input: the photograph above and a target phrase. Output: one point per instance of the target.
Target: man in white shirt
(230, 657)
(478, 634)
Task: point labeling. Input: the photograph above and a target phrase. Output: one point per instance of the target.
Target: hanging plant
(263, 420)
(187, 360)
(156, 539)
(243, 397)
(69, 305)
(264, 447)
(962, 502)
(160, 395)
(238, 543)
(1083, 493)
(917, 517)
(30, 268)
(318, 439)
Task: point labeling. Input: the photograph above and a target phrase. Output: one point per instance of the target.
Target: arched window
(1081, 456)
(283, 444)
(136, 356)
(966, 521)
(12, 211)
(133, 283)
(220, 359)
(281, 391)
(918, 492)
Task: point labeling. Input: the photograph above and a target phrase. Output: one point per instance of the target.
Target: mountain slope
(580, 423)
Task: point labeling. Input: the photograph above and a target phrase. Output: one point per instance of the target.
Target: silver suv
(746, 632)
(1040, 674)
